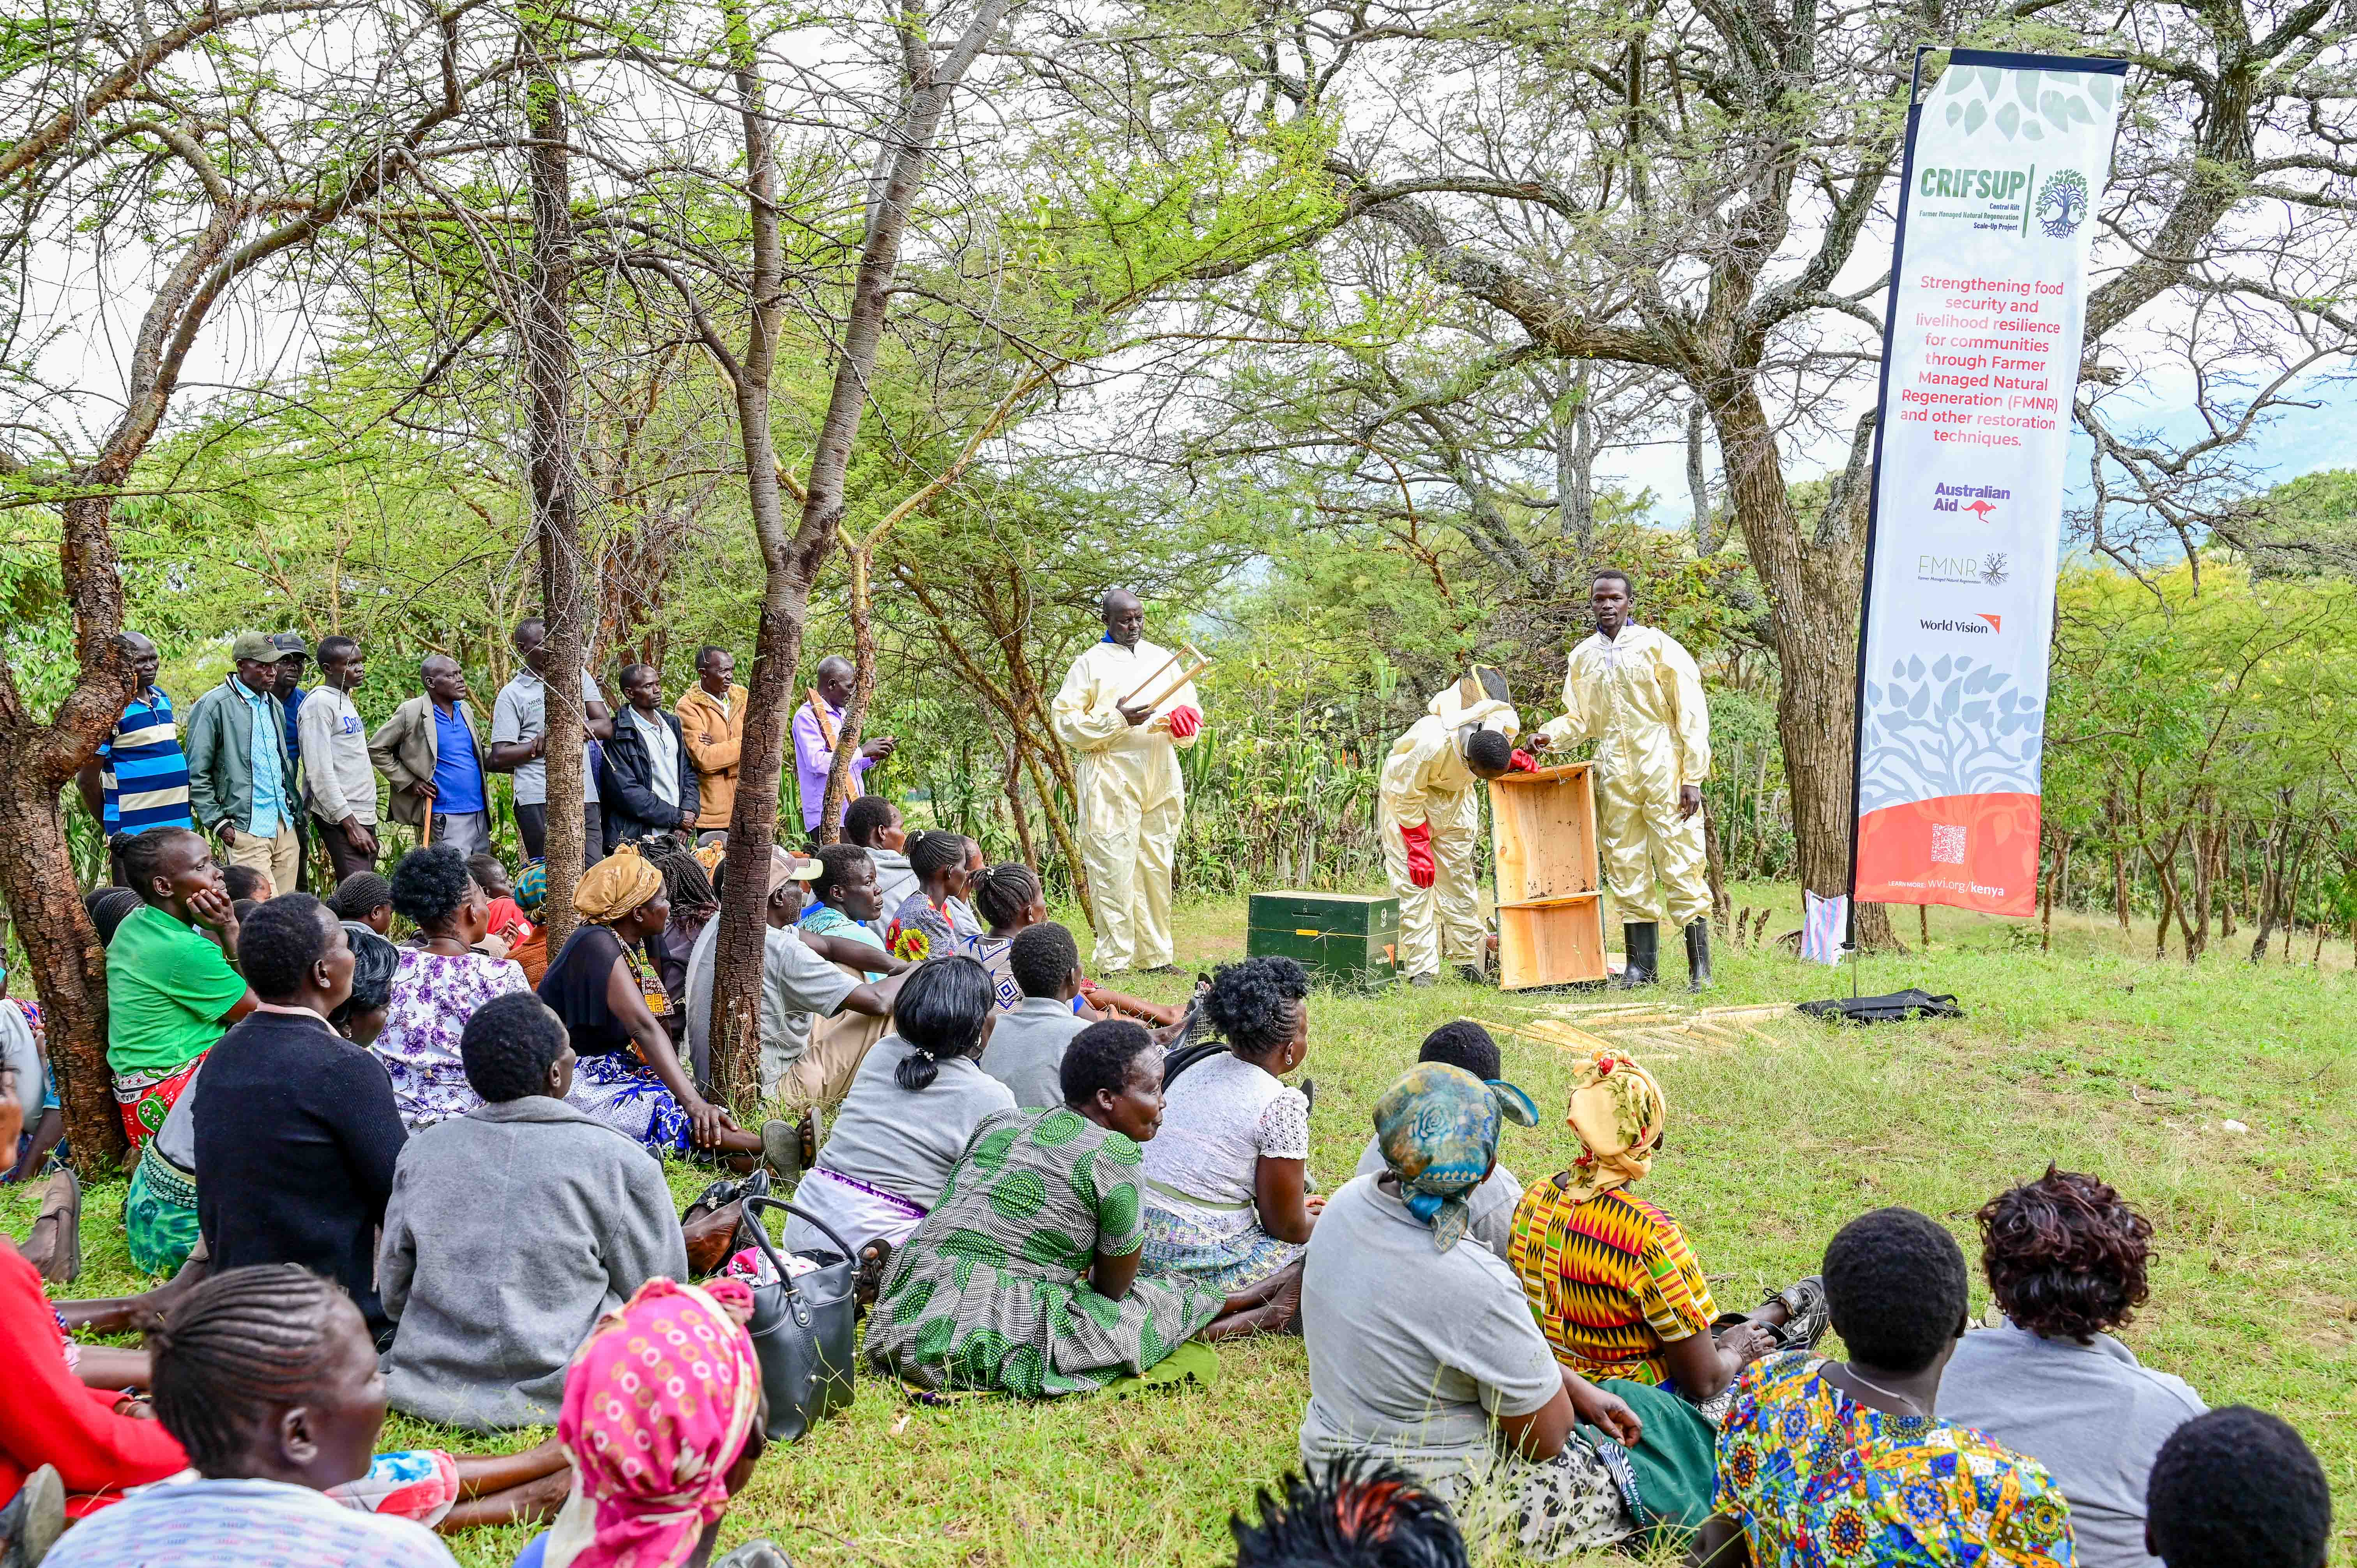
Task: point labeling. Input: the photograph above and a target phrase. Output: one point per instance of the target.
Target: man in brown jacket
(452, 779)
(711, 722)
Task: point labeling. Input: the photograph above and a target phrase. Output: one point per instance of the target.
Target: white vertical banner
(2006, 158)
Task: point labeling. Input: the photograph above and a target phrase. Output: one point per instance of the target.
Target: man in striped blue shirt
(139, 780)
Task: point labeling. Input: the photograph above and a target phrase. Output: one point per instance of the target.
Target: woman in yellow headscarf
(605, 990)
(1610, 1276)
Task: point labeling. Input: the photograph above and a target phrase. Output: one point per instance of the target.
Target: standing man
(339, 777)
(1638, 695)
(1132, 798)
(649, 783)
(139, 780)
(286, 685)
(432, 754)
(520, 744)
(817, 726)
(1428, 813)
(241, 775)
(712, 718)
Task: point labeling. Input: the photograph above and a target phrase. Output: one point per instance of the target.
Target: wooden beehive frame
(1550, 900)
(1192, 661)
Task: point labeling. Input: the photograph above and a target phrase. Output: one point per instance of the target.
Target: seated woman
(1462, 1043)
(1002, 1288)
(1421, 1349)
(441, 981)
(504, 918)
(1817, 1458)
(266, 1384)
(1611, 1277)
(873, 823)
(1008, 901)
(366, 899)
(694, 905)
(912, 1110)
(172, 983)
(529, 890)
(652, 1478)
(375, 962)
(2065, 1259)
(920, 927)
(844, 901)
(1227, 1180)
(488, 1311)
(629, 1077)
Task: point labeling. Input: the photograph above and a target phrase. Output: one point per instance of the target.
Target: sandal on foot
(63, 1204)
(867, 1281)
(1808, 1313)
(781, 1147)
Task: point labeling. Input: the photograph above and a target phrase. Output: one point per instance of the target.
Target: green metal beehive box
(1344, 939)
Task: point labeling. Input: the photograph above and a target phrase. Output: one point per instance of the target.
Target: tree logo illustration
(1993, 569)
(2063, 203)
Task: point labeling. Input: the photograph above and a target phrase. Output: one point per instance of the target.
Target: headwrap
(1438, 1128)
(616, 885)
(1619, 1112)
(659, 1402)
(531, 886)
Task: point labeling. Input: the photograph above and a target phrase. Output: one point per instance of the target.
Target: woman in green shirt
(172, 984)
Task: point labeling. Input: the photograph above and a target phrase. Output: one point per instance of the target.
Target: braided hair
(1002, 894)
(240, 1345)
(685, 882)
(935, 849)
(141, 855)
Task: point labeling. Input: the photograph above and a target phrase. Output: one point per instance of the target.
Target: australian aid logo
(2006, 158)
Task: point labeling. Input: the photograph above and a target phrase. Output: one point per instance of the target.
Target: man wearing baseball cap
(240, 777)
(286, 685)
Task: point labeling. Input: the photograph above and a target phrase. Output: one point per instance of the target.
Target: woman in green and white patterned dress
(1023, 1278)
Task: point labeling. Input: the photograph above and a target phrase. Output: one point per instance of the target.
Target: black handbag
(803, 1328)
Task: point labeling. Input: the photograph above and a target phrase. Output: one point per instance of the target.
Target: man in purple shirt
(814, 738)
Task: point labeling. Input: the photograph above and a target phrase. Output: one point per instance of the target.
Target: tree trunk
(549, 370)
(68, 964)
(862, 691)
(1714, 854)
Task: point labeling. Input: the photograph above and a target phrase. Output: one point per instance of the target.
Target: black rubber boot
(1698, 955)
(1641, 942)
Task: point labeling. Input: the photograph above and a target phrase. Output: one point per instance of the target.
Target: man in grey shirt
(520, 744)
(1026, 1051)
(2066, 1261)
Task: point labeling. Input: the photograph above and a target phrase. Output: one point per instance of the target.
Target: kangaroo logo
(1981, 509)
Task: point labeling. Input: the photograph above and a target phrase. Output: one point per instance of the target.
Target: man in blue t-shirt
(139, 780)
(462, 817)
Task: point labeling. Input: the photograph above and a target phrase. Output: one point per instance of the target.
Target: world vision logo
(1977, 625)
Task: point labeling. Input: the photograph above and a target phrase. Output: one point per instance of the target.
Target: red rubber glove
(1522, 762)
(1185, 722)
(1419, 853)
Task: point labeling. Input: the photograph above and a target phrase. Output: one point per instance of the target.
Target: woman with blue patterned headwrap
(1437, 1130)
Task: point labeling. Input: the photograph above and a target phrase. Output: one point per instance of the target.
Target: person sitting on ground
(365, 898)
(1228, 1200)
(1815, 1454)
(1611, 1279)
(375, 962)
(504, 918)
(529, 890)
(629, 1077)
(172, 981)
(804, 979)
(653, 1478)
(1354, 1513)
(440, 983)
(2238, 1489)
(244, 885)
(873, 823)
(844, 900)
(489, 1312)
(1422, 1351)
(1007, 901)
(1462, 1043)
(296, 1130)
(108, 909)
(688, 886)
(911, 1110)
(920, 926)
(1026, 1049)
(2065, 1260)
(1064, 1268)
(265, 1380)
(963, 919)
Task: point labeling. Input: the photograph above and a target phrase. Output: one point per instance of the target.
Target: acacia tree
(1688, 188)
(153, 155)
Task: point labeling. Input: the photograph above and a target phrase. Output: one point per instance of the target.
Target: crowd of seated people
(376, 1173)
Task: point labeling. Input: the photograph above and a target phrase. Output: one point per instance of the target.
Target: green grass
(2094, 1057)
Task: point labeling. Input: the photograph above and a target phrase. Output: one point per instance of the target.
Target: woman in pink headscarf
(663, 1421)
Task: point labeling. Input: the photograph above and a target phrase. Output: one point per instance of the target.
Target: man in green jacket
(240, 778)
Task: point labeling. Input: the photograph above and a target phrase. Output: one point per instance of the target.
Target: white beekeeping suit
(1132, 798)
(1639, 696)
(1428, 785)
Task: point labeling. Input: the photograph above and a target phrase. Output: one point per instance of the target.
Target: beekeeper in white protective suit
(1428, 814)
(1639, 696)
(1132, 798)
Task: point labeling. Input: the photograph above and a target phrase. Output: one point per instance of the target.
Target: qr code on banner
(1947, 844)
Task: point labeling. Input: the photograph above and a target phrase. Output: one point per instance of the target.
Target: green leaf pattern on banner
(2022, 104)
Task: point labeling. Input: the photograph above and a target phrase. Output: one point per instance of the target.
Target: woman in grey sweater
(512, 1230)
